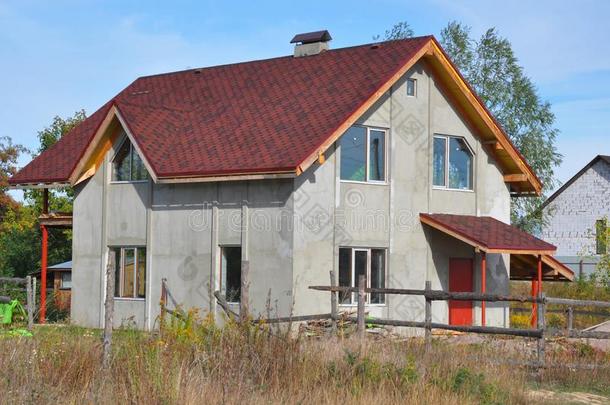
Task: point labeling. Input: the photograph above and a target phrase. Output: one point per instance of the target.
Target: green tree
(490, 66)
(9, 153)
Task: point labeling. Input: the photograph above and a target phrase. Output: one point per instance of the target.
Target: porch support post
(43, 275)
(539, 274)
(483, 284)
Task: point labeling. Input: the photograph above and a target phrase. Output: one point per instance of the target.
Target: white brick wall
(572, 214)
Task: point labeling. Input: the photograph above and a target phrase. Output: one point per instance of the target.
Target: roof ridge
(279, 57)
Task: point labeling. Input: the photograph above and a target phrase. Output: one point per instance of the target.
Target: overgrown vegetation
(195, 360)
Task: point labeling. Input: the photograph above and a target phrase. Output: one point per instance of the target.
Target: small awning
(487, 234)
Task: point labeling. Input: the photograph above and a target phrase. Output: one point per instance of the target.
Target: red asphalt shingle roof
(488, 232)
(261, 116)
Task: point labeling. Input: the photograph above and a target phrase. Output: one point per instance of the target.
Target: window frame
(135, 271)
(61, 280)
(414, 81)
(447, 139)
(222, 288)
(353, 296)
(131, 152)
(368, 156)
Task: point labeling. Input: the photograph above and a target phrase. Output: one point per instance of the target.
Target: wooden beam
(515, 178)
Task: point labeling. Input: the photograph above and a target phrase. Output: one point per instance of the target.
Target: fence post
(361, 299)
(333, 302)
(570, 312)
(30, 306)
(244, 295)
(542, 327)
(428, 320)
(163, 304)
(34, 281)
(108, 311)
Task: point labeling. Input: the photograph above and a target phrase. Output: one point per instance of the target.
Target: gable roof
(267, 117)
(568, 183)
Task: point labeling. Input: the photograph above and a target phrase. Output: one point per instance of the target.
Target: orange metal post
(539, 274)
(483, 285)
(43, 275)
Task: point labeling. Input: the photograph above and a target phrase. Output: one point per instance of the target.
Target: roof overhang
(524, 249)
(524, 267)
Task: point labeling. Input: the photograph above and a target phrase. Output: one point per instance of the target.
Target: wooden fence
(30, 294)
(541, 332)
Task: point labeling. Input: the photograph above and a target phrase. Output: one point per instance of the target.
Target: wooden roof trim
(101, 143)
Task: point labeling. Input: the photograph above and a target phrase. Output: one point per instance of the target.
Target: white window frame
(414, 81)
(368, 151)
(135, 272)
(446, 138)
(132, 150)
(353, 296)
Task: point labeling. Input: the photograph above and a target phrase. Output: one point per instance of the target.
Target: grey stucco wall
(290, 230)
(572, 214)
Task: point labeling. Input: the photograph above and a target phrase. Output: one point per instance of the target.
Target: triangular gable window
(127, 164)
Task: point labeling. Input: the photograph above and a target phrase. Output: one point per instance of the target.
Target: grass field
(202, 363)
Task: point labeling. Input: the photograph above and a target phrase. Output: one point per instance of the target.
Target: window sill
(372, 183)
(127, 181)
(129, 299)
(461, 190)
(366, 305)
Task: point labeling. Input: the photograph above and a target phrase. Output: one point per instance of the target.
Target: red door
(460, 280)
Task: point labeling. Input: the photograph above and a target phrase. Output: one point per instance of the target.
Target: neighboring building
(578, 214)
(59, 278)
(348, 160)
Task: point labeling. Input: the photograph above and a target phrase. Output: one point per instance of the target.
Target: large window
(601, 236)
(127, 164)
(130, 273)
(230, 273)
(354, 262)
(363, 154)
(452, 163)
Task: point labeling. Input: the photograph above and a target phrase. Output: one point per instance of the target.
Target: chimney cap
(312, 37)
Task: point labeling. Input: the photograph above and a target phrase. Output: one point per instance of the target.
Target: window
(127, 164)
(411, 87)
(452, 163)
(368, 262)
(601, 236)
(130, 273)
(363, 152)
(230, 273)
(66, 280)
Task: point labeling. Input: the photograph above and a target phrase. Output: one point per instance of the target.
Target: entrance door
(461, 279)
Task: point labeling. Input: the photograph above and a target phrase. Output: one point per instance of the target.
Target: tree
(9, 153)
(490, 66)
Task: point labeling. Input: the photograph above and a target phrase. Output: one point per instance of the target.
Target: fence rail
(541, 333)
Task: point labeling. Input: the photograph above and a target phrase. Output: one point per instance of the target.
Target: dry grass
(237, 364)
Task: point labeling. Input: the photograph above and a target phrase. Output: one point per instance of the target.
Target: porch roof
(487, 234)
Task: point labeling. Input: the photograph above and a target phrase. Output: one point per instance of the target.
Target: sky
(62, 56)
